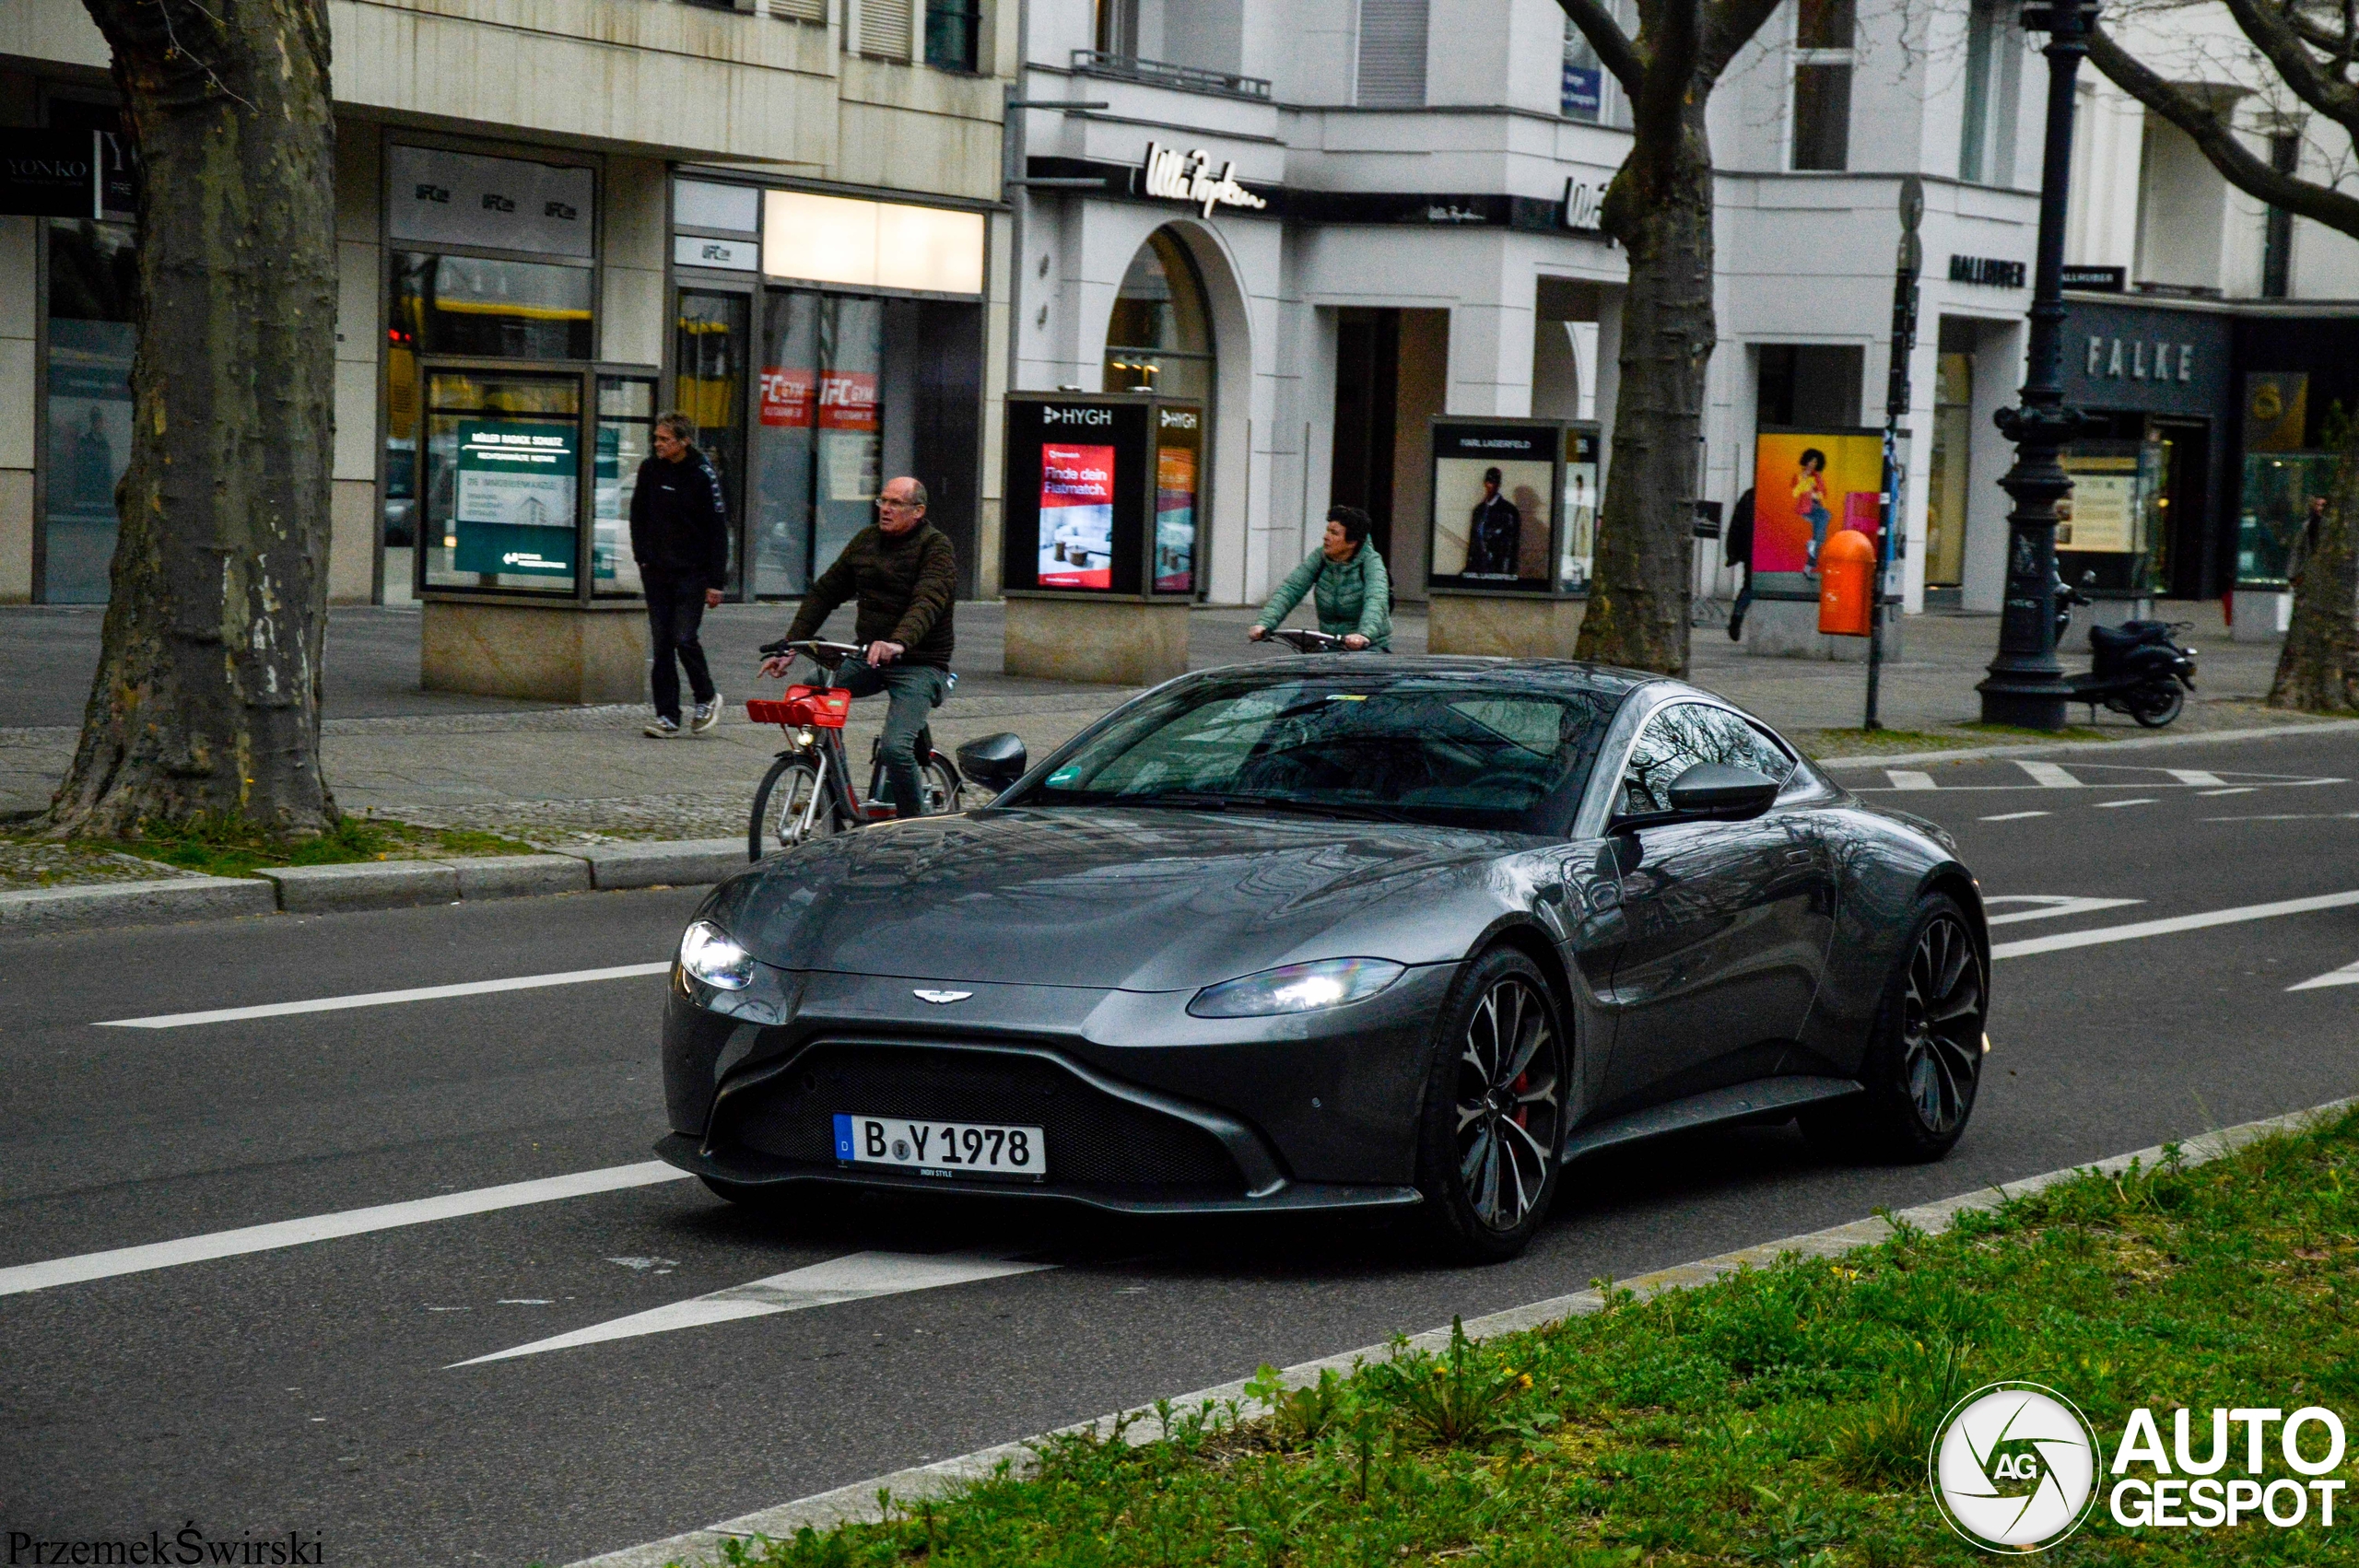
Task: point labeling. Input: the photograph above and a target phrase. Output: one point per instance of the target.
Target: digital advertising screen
(1077, 516)
(1495, 506)
(1085, 487)
(1179, 478)
(513, 512)
(1579, 509)
(1808, 484)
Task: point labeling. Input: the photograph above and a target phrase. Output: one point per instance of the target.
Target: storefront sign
(2151, 359)
(1993, 271)
(2097, 280)
(788, 395)
(729, 255)
(1177, 176)
(66, 174)
(508, 203)
(1584, 206)
(2157, 357)
(514, 510)
(848, 400)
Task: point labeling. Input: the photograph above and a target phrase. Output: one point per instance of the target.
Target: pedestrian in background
(1736, 549)
(679, 536)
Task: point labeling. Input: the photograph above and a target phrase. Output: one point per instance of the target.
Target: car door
(1724, 925)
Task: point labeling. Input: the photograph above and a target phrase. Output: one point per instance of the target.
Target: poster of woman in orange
(1810, 484)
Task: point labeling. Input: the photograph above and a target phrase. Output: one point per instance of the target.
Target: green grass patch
(1779, 1417)
(234, 848)
(1877, 743)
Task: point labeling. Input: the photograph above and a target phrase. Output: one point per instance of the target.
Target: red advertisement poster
(1076, 517)
(1806, 486)
(848, 400)
(787, 396)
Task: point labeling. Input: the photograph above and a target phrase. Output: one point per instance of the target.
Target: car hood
(1103, 898)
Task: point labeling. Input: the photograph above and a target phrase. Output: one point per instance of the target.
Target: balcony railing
(1163, 74)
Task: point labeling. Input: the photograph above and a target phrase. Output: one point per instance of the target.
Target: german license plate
(942, 1148)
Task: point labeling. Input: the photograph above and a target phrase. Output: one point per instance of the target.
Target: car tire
(1493, 1126)
(1923, 1064)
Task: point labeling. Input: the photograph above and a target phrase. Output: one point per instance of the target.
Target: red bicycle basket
(815, 705)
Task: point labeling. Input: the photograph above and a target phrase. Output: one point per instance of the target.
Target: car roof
(1549, 674)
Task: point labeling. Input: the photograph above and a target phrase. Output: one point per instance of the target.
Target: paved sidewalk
(558, 776)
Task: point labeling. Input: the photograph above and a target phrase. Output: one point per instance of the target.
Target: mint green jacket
(1355, 596)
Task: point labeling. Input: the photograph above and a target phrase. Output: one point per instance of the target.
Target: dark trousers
(1743, 601)
(674, 614)
(916, 691)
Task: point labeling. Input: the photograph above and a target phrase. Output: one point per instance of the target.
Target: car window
(1687, 733)
(1465, 752)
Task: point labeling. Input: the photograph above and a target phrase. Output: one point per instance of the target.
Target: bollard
(1847, 572)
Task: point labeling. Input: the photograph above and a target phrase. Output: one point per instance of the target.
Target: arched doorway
(1160, 335)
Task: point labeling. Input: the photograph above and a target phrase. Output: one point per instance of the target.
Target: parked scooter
(2140, 670)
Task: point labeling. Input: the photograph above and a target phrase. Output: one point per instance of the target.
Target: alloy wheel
(1941, 1025)
(1509, 1102)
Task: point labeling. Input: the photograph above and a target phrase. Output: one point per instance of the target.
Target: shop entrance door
(711, 348)
(1367, 380)
(2183, 566)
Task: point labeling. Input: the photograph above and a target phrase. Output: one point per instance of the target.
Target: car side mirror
(992, 762)
(1715, 791)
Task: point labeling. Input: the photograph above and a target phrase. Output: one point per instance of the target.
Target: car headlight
(1298, 988)
(707, 954)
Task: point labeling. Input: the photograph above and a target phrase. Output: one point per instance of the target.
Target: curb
(376, 884)
(857, 1504)
(2138, 743)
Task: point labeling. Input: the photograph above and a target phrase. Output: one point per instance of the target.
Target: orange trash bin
(1846, 571)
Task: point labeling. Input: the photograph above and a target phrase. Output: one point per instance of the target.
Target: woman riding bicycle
(1347, 583)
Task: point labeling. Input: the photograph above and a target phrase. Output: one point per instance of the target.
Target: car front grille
(1094, 1139)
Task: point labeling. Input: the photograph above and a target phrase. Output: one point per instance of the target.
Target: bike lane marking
(384, 999)
(2173, 925)
(88, 1266)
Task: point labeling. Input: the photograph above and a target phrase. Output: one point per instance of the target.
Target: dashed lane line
(384, 999)
(2173, 925)
(121, 1260)
(2015, 816)
(2134, 801)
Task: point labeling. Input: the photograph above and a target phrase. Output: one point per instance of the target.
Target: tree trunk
(1660, 207)
(206, 702)
(2318, 671)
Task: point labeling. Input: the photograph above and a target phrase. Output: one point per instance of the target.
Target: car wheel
(1924, 1059)
(1494, 1118)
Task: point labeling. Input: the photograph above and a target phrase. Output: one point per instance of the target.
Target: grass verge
(236, 848)
(1779, 1417)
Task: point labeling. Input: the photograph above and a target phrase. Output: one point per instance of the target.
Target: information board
(513, 511)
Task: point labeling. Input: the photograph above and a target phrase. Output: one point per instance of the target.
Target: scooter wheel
(2157, 706)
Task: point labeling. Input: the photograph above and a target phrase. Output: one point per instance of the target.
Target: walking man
(679, 535)
(1736, 548)
(905, 575)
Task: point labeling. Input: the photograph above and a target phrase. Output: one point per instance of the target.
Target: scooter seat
(2128, 635)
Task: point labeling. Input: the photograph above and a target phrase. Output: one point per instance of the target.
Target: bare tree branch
(2276, 39)
(1615, 51)
(2210, 130)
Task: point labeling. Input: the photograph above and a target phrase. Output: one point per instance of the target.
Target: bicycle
(1304, 640)
(811, 780)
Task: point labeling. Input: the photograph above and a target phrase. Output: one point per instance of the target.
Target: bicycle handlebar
(826, 655)
(1306, 642)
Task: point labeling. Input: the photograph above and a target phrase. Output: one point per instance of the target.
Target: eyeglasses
(896, 505)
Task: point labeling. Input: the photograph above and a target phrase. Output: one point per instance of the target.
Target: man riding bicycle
(905, 575)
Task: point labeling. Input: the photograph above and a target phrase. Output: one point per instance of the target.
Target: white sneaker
(705, 716)
(662, 729)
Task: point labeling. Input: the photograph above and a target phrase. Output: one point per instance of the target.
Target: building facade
(785, 217)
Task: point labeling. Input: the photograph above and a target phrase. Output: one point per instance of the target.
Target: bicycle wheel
(943, 790)
(790, 808)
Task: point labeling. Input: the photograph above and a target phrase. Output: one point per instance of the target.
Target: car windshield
(1474, 751)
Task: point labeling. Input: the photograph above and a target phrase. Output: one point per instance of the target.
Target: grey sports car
(1331, 932)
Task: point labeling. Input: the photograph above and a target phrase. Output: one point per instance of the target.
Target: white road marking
(1909, 778)
(2139, 801)
(2051, 906)
(326, 1227)
(2173, 925)
(2289, 817)
(2015, 816)
(2194, 776)
(2049, 775)
(2346, 976)
(860, 1277)
(383, 999)
(2239, 790)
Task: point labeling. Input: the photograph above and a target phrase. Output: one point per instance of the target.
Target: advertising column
(1500, 573)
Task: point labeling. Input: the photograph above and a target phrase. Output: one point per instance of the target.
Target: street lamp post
(2027, 686)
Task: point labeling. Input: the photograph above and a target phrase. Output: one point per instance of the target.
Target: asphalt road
(314, 1387)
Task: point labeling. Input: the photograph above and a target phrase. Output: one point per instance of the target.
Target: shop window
(91, 304)
(1392, 54)
(953, 33)
(711, 337)
(1946, 487)
(1809, 385)
(1582, 94)
(1986, 151)
(1822, 104)
(1159, 336)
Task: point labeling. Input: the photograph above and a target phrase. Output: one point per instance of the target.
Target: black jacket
(679, 525)
(905, 587)
(1736, 545)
